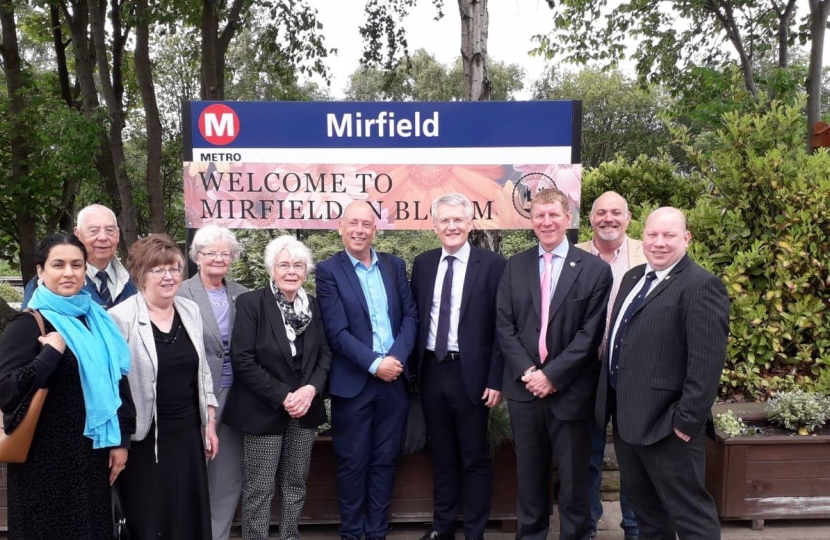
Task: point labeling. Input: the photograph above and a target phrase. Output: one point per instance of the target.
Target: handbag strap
(38, 317)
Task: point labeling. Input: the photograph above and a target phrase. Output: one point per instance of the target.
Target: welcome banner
(287, 165)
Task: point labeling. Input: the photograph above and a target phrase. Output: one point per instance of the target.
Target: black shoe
(435, 535)
(378, 538)
(473, 538)
(593, 534)
(631, 537)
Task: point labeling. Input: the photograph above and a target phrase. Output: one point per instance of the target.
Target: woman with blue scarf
(83, 434)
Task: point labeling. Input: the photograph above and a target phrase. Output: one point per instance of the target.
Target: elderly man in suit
(609, 220)
(551, 309)
(107, 280)
(459, 365)
(667, 346)
(371, 323)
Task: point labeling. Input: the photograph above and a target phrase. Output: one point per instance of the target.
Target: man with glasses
(106, 278)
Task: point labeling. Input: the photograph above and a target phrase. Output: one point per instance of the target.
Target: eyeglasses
(285, 267)
(110, 231)
(225, 256)
(159, 273)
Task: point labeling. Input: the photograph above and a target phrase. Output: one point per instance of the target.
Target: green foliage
(423, 78)
(619, 117)
(799, 409)
(643, 181)
(498, 427)
(764, 229)
(9, 293)
(732, 425)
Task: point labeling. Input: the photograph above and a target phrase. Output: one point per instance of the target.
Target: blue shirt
(371, 281)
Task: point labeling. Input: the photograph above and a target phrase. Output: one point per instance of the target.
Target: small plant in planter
(732, 425)
(799, 411)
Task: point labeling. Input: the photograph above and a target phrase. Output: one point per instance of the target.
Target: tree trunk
(60, 55)
(784, 19)
(819, 11)
(26, 226)
(727, 20)
(144, 73)
(474, 28)
(210, 89)
(127, 216)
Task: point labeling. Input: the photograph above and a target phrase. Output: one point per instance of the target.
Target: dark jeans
(629, 521)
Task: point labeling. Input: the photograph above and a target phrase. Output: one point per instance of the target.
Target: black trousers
(539, 437)
(459, 448)
(666, 488)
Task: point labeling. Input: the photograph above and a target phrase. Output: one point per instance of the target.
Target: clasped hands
(297, 403)
(389, 369)
(537, 384)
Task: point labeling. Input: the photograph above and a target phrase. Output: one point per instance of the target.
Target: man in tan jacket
(609, 220)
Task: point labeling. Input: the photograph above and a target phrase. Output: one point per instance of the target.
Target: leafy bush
(763, 228)
(732, 425)
(799, 409)
(9, 293)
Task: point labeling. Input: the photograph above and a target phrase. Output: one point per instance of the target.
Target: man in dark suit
(371, 323)
(459, 366)
(667, 346)
(551, 317)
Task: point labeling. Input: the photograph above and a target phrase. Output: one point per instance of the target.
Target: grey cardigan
(194, 289)
(133, 320)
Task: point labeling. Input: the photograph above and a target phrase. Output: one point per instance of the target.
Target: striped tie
(104, 290)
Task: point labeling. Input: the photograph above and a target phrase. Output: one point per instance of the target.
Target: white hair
(208, 235)
(92, 208)
(452, 199)
(296, 249)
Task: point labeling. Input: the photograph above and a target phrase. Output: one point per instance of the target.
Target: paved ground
(608, 530)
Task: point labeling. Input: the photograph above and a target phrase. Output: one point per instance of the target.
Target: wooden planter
(412, 497)
(767, 477)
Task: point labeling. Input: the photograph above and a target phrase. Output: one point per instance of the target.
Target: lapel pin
(573, 263)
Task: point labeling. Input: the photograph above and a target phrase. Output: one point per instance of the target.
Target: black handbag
(119, 522)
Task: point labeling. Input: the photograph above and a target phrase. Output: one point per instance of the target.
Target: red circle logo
(219, 124)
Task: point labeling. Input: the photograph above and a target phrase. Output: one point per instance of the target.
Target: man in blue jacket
(371, 323)
(106, 278)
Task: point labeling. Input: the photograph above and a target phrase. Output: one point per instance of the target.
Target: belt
(451, 355)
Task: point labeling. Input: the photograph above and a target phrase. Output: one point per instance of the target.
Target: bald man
(609, 220)
(667, 344)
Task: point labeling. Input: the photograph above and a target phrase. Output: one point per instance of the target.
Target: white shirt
(459, 271)
(661, 275)
(118, 277)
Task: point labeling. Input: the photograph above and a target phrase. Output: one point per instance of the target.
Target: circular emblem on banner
(528, 186)
(219, 124)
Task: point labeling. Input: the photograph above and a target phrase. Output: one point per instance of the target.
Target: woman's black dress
(168, 499)
(62, 491)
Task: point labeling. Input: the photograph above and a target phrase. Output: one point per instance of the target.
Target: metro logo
(219, 124)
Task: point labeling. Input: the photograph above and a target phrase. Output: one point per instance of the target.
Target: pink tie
(545, 284)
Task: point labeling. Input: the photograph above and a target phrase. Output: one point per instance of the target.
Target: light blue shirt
(371, 281)
(559, 254)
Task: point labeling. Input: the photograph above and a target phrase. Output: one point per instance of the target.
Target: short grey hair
(85, 211)
(452, 199)
(210, 234)
(298, 251)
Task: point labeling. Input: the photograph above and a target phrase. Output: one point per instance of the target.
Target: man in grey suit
(609, 220)
(667, 345)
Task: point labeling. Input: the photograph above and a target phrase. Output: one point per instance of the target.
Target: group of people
(189, 396)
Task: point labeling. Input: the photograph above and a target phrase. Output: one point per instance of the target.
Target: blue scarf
(102, 353)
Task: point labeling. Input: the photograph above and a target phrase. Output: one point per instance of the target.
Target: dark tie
(614, 368)
(442, 333)
(103, 290)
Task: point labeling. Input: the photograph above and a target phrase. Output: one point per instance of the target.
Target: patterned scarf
(296, 315)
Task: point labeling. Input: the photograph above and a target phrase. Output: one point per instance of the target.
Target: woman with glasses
(280, 364)
(213, 250)
(164, 491)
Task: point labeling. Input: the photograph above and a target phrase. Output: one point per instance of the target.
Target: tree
(668, 52)
(619, 117)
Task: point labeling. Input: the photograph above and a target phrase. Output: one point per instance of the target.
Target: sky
(512, 25)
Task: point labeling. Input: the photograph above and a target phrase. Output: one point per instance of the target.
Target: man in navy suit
(371, 323)
(551, 309)
(459, 366)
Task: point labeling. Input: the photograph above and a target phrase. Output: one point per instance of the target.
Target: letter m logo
(219, 124)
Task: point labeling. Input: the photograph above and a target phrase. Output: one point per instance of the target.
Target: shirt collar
(664, 272)
(462, 255)
(355, 262)
(560, 251)
(623, 249)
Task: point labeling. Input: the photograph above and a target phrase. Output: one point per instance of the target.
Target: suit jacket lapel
(351, 277)
(200, 296)
(473, 267)
(272, 311)
(571, 268)
(665, 282)
(532, 276)
(145, 330)
(625, 289)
